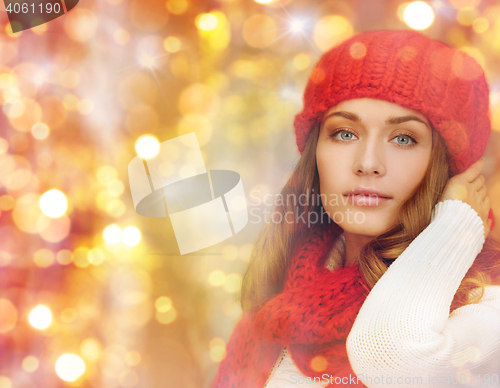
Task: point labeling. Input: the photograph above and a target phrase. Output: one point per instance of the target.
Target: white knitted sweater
(404, 335)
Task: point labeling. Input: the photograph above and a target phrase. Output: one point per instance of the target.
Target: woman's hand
(469, 187)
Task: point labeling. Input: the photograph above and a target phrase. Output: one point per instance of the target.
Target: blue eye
(405, 140)
(344, 135)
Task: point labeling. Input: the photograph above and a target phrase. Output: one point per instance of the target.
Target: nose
(369, 159)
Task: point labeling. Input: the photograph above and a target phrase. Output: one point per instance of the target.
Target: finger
(487, 204)
(478, 182)
(482, 192)
(473, 171)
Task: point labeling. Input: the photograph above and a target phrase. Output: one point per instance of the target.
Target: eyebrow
(390, 121)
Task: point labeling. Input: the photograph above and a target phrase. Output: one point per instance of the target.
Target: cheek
(330, 169)
(409, 175)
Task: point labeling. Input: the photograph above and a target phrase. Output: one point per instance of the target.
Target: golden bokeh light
(166, 317)
(121, 36)
(163, 304)
(116, 187)
(132, 358)
(301, 61)
(80, 257)
(81, 24)
(64, 257)
(44, 258)
(53, 203)
(90, 348)
(112, 234)
(53, 229)
(131, 236)
(480, 25)
(18, 179)
(358, 50)
(199, 124)
(245, 251)
(69, 367)
(319, 363)
(40, 131)
(5, 382)
(5, 258)
(232, 283)
(13, 108)
(217, 349)
(206, 21)
(260, 31)
(467, 15)
(70, 102)
(4, 145)
(172, 44)
(230, 252)
(85, 106)
(418, 15)
(177, 7)
(106, 174)
(147, 60)
(331, 30)
(116, 208)
(6, 203)
(199, 99)
(147, 146)
(30, 364)
(26, 213)
(96, 256)
(69, 79)
(25, 113)
(40, 317)
(217, 278)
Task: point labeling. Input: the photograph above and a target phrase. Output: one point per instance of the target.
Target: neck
(353, 245)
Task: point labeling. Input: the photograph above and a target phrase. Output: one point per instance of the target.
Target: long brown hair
(274, 248)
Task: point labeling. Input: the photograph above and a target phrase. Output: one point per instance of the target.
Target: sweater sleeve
(404, 334)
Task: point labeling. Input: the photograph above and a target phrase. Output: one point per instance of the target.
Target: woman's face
(372, 156)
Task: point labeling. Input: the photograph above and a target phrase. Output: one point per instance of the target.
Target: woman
(398, 285)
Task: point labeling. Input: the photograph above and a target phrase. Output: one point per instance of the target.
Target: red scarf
(312, 316)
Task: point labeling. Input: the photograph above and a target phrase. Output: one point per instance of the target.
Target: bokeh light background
(94, 295)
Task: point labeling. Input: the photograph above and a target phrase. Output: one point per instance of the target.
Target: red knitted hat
(445, 85)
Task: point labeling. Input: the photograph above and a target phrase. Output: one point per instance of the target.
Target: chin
(366, 223)
(371, 227)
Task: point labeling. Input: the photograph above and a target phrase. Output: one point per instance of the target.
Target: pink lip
(367, 191)
(365, 200)
(364, 196)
